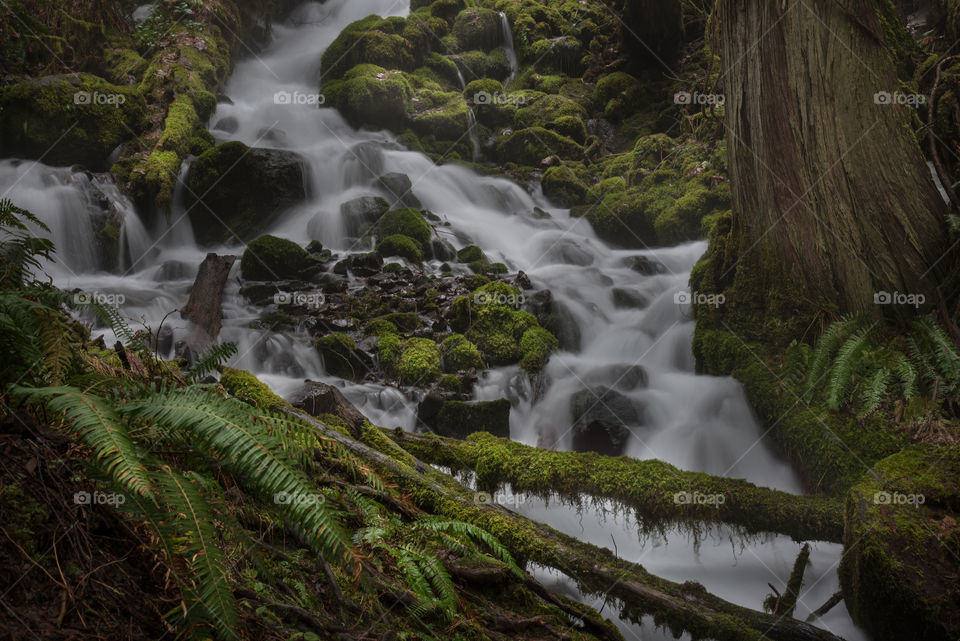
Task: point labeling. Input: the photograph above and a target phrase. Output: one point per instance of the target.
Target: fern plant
(857, 363)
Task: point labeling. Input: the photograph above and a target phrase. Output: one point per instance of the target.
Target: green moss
(450, 383)
(389, 347)
(536, 344)
(459, 354)
(273, 258)
(369, 95)
(563, 187)
(400, 245)
(406, 222)
(246, 387)
(530, 146)
(470, 254)
(571, 127)
(419, 363)
(367, 41)
(341, 356)
(379, 326)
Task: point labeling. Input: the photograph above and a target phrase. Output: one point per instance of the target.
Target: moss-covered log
(656, 490)
(681, 607)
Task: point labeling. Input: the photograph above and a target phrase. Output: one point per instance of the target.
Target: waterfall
(509, 48)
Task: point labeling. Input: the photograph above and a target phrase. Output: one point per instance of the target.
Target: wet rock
(645, 265)
(399, 190)
(366, 210)
(442, 249)
(243, 190)
(629, 299)
(229, 125)
(320, 398)
(601, 417)
(272, 136)
(342, 358)
(523, 281)
(556, 318)
(459, 419)
(568, 252)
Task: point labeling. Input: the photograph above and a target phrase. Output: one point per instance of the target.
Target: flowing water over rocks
(623, 381)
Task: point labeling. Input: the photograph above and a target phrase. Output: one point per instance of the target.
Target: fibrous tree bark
(831, 193)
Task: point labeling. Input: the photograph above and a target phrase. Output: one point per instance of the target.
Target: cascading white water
(695, 422)
(509, 48)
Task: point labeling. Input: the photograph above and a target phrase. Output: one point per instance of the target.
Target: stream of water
(694, 422)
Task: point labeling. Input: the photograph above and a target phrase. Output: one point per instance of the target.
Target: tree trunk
(681, 607)
(830, 190)
(658, 491)
(204, 307)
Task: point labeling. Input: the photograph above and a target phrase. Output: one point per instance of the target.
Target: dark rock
(523, 281)
(243, 190)
(442, 249)
(556, 318)
(601, 417)
(230, 124)
(645, 265)
(272, 258)
(569, 253)
(342, 358)
(314, 247)
(366, 210)
(320, 398)
(399, 190)
(629, 299)
(459, 419)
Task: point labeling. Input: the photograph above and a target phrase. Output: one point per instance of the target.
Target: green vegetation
(271, 258)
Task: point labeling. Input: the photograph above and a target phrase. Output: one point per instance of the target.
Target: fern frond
(844, 366)
(872, 392)
(825, 348)
(238, 435)
(470, 531)
(97, 423)
(211, 359)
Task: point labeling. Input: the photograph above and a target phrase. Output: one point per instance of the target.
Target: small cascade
(474, 134)
(509, 48)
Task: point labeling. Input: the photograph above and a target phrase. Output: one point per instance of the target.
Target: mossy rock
(532, 145)
(459, 354)
(367, 41)
(494, 322)
(389, 348)
(369, 95)
(902, 546)
(342, 358)
(272, 258)
(650, 151)
(405, 222)
(470, 254)
(617, 94)
(547, 109)
(419, 362)
(563, 187)
(243, 190)
(477, 29)
(400, 245)
(572, 127)
(69, 119)
(477, 64)
(249, 389)
(564, 54)
(449, 121)
(536, 344)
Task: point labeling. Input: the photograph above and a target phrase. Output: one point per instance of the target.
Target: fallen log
(681, 607)
(656, 490)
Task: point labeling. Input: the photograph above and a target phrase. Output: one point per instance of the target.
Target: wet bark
(830, 188)
(204, 307)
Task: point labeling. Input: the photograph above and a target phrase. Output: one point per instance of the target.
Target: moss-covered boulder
(371, 95)
(342, 358)
(361, 212)
(405, 222)
(459, 354)
(460, 419)
(532, 145)
(477, 29)
(449, 120)
(241, 190)
(419, 362)
(372, 40)
(543, 110)
(617, 94)
(563, 187)
(273, 258)
(68, 119)
(402, 246)
(902, 546)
